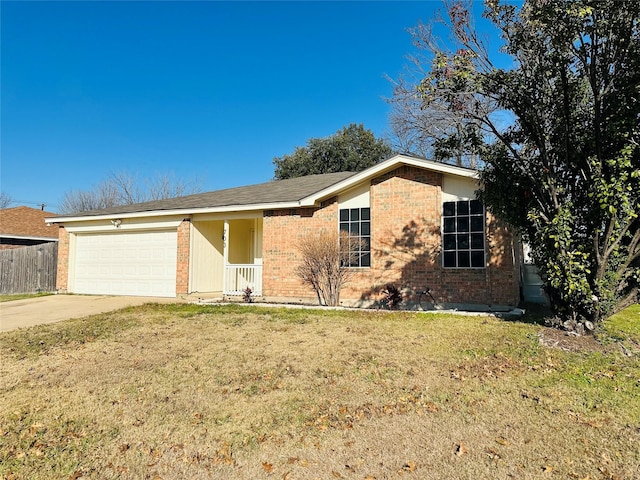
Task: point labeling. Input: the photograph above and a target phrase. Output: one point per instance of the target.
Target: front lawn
(237, 392)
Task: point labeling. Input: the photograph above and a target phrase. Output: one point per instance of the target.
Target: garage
(126, 263)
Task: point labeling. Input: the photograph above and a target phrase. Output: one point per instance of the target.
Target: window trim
(457, 221)
(351, 222)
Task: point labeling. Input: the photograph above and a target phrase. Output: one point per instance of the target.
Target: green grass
(21, 296)
(236, 392)
(625, 325)
(36, 341)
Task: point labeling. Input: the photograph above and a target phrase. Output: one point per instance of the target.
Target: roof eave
(385, 167)
(177, 212)
(309, 201)
(28, 237)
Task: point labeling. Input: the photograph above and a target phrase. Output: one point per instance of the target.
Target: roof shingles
(277, 191)
(26, 222)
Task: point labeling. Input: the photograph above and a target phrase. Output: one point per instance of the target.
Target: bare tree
(128, 188)
(168, 186)
(123, 188)
(419, 122)
(5, 200)
(326, 258)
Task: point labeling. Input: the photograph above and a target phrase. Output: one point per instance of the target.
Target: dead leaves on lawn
(328, 415)
(486, 367)
(349, 470)
(461, 449)
(409, 467)
(222, 456)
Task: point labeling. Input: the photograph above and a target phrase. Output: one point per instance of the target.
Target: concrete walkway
(55, 308)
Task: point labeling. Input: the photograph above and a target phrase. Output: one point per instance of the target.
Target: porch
(238, 278)
(226, 255)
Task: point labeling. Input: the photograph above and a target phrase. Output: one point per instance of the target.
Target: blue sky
(204, 90)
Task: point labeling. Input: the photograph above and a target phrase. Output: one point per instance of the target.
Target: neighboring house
(421, 225)
(25, 226)
(28, 251)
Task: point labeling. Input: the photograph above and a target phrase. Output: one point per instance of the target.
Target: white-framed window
(463, 234)
(357, 223)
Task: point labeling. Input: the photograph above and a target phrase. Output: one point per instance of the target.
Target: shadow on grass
(535, 314)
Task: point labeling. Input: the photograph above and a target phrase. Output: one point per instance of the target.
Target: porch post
(254, 254)
(225, 254)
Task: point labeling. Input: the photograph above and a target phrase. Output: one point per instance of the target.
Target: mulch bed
(556, 338)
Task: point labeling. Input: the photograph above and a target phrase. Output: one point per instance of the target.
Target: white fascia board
(437, 166)
(105, 226)
(28, 237)
(384, 167)
(183, 213)
(234, 215)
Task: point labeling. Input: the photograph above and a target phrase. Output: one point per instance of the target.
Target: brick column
(62, 274)
(182, 267)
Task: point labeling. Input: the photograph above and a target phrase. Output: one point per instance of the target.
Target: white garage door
(126, 263)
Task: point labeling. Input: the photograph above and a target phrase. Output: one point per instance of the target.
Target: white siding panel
(207, 259)
(358, 197)
(126, 263)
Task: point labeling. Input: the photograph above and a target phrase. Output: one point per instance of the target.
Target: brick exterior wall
(283, 231)
(182, 267)
(62, 275)
(406, 207)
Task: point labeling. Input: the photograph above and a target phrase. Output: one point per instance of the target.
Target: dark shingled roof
(277, 191)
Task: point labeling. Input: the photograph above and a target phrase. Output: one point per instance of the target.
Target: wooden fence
(29, 269)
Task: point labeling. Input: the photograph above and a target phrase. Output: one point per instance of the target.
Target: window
(357, 223)
(463, 234)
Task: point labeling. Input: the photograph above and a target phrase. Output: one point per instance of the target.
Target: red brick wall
(182, 267)
(405, 224)
(62, 276)
(282, 232)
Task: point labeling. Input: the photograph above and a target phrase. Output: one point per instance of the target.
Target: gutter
(23, 237)
(178, 212)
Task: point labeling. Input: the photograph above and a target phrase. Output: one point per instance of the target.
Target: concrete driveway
(54, 308)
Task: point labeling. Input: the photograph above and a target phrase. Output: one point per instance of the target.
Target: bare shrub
(325, 265)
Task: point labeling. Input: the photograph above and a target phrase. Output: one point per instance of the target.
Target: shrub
(246, 295)
(391, 296)
(325, 263)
